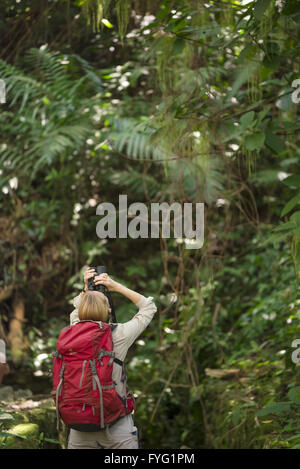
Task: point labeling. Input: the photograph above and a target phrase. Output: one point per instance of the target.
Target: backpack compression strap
(96, 382)
(58, 391)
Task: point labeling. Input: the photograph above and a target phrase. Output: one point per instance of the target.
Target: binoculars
(100, 269)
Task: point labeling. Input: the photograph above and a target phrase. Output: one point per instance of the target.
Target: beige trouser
(120, 435)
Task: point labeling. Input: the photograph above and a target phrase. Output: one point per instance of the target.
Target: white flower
(172, 297)
(41, 357)
(279, 4)
(221, 202)
(282, 175)
(147, 20)
(13, 183)
(92, 202)
(77, 208)
(169, 331)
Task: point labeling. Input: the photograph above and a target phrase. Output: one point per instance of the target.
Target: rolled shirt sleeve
(129, 331)
(74, 315)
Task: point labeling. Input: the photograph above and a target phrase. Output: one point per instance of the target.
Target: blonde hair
(93, 306)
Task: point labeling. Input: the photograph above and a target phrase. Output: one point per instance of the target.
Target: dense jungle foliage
(164, 101)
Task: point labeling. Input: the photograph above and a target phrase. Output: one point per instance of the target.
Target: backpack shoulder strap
(111, 354)
(117, 360)
(122, 364)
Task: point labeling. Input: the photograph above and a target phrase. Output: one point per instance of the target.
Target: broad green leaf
(294, 394)
(255, 141)
(284, 226)
(274, 408)
(260, 8)
(263, 113)
(163, 12)
(276, 238)
(292, 181)
(178, 45)
(247, 119)
(295, 218)
(274, 142)
(242, 75)
(265, 177)
(284, 102)
(291, 204)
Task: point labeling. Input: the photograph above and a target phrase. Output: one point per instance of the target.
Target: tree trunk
(15, 335)
(6, 292)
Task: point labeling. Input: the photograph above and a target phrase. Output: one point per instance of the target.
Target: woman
(94, 305)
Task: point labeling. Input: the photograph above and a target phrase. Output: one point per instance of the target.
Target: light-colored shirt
(124, 334)
(2, 351)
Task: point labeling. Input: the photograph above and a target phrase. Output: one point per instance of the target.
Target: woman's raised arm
(112, 285)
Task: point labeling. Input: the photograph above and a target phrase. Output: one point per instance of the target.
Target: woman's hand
(109, 283)
(89, 273)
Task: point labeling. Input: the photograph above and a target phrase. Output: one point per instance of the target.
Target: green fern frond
(134, 140)
(51, 119)
(46, 63)
(131, 179)
(20, 86)
(200, 178)
(88, 69)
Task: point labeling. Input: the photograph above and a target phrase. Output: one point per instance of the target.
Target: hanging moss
(123, 10)
(164, 73)
(296, 254)
(249, 158)
(94, 11)
(266, 23)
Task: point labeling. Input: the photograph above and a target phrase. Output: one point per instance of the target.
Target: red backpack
(83, 390)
